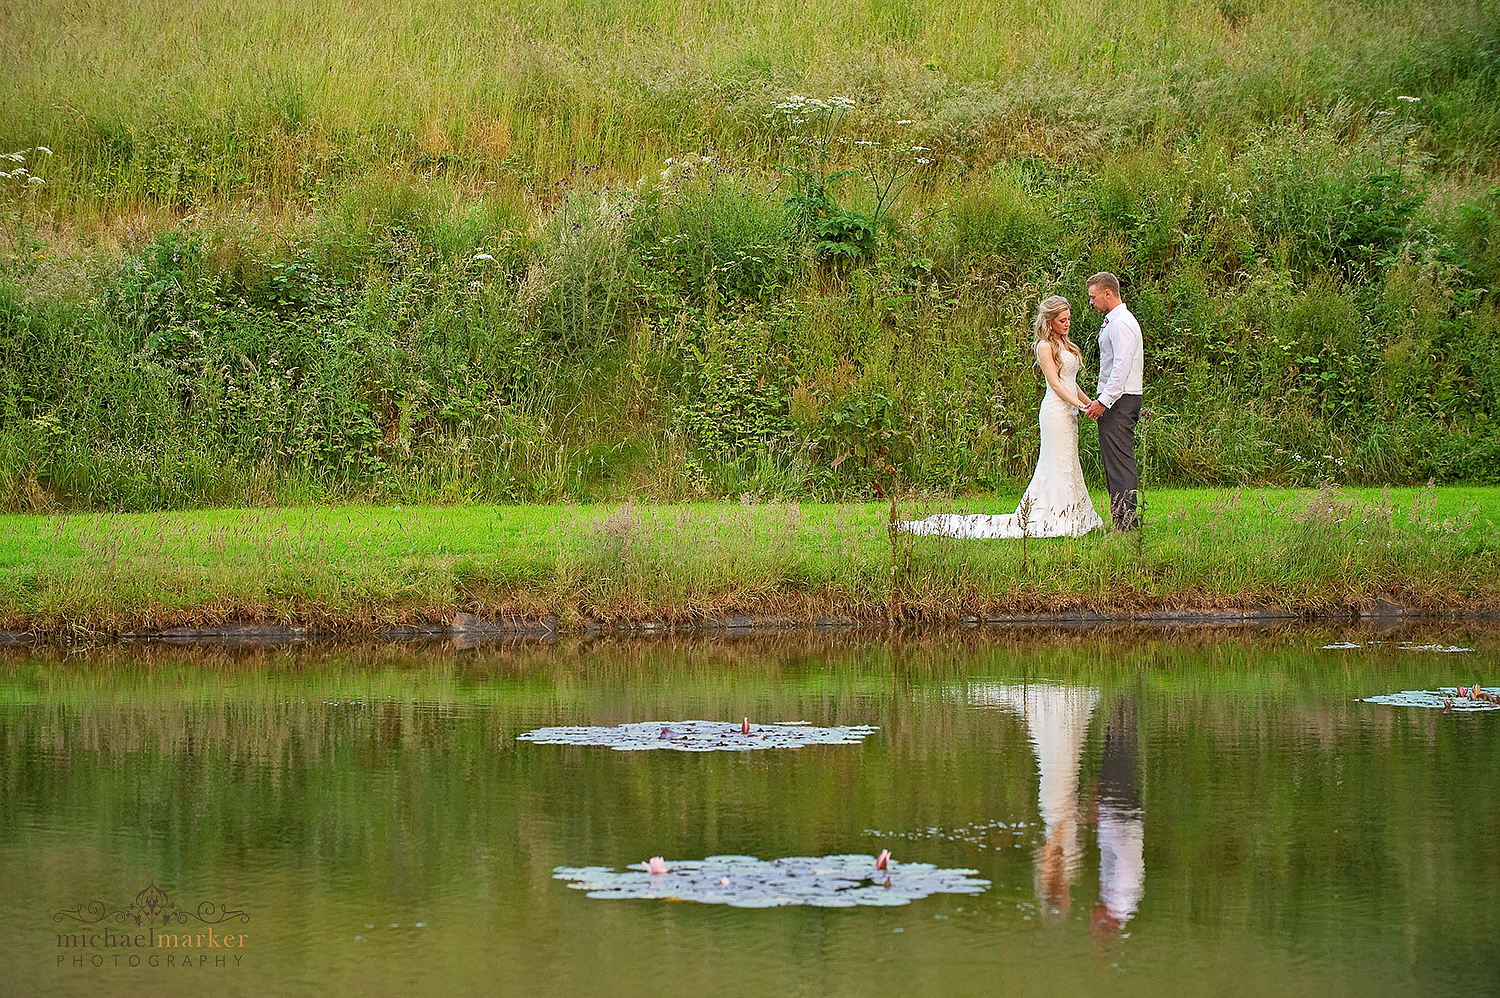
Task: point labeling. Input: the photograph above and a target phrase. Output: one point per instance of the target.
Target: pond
(1100, 811)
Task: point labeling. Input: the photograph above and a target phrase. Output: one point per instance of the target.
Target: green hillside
(588, 250)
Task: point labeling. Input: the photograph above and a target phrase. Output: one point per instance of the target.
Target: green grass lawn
(367, 568)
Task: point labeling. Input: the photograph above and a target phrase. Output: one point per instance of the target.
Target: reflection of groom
(1117, 408)
(1122, 835)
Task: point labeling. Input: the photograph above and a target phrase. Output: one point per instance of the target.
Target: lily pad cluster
(1404, 646)
(1448, 698)
(699, 736)
(746, 882)
(1445, 649)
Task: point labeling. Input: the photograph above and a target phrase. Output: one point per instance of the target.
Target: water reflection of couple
(1057, 719)
(1057, 503)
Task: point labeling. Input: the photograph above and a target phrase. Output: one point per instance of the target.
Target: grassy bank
(372, 568)
(589, 252)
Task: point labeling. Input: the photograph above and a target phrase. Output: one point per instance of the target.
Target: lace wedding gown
(1056, 503)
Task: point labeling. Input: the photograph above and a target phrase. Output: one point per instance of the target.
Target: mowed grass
(364, 568)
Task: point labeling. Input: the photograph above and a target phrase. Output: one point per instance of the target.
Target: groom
(1117, 408)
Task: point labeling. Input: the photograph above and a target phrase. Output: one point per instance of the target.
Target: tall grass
(241, 100)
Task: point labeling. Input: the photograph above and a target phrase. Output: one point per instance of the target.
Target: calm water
(1205, 812)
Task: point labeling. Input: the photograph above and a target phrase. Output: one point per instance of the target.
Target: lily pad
(1446, 649)
(1445, 698)
(843, 881)
(699, 736)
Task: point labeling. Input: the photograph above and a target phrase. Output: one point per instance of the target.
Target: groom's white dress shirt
(1122, 356)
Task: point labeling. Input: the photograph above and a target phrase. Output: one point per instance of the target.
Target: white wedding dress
(1056, 503)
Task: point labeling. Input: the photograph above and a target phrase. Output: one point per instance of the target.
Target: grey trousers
(1117, 450)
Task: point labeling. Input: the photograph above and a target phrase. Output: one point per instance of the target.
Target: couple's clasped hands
(1092, 408)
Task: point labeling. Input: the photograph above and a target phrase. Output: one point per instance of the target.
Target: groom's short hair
(1104, 279)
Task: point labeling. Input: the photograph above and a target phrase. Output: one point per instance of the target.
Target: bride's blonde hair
(1049, 309)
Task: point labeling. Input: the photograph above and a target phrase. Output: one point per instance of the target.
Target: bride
(1056, 503)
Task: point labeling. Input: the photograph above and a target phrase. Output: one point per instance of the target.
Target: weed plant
(592, 253)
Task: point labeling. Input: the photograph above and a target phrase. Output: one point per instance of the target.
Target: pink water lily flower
(883, 861)
(656, 866)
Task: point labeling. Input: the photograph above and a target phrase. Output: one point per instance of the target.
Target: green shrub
(1476, 239)
(716, 232)
(736, 390)
(577, 291)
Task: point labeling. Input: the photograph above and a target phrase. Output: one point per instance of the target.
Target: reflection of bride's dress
(1056, 503)
(1057, 719)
